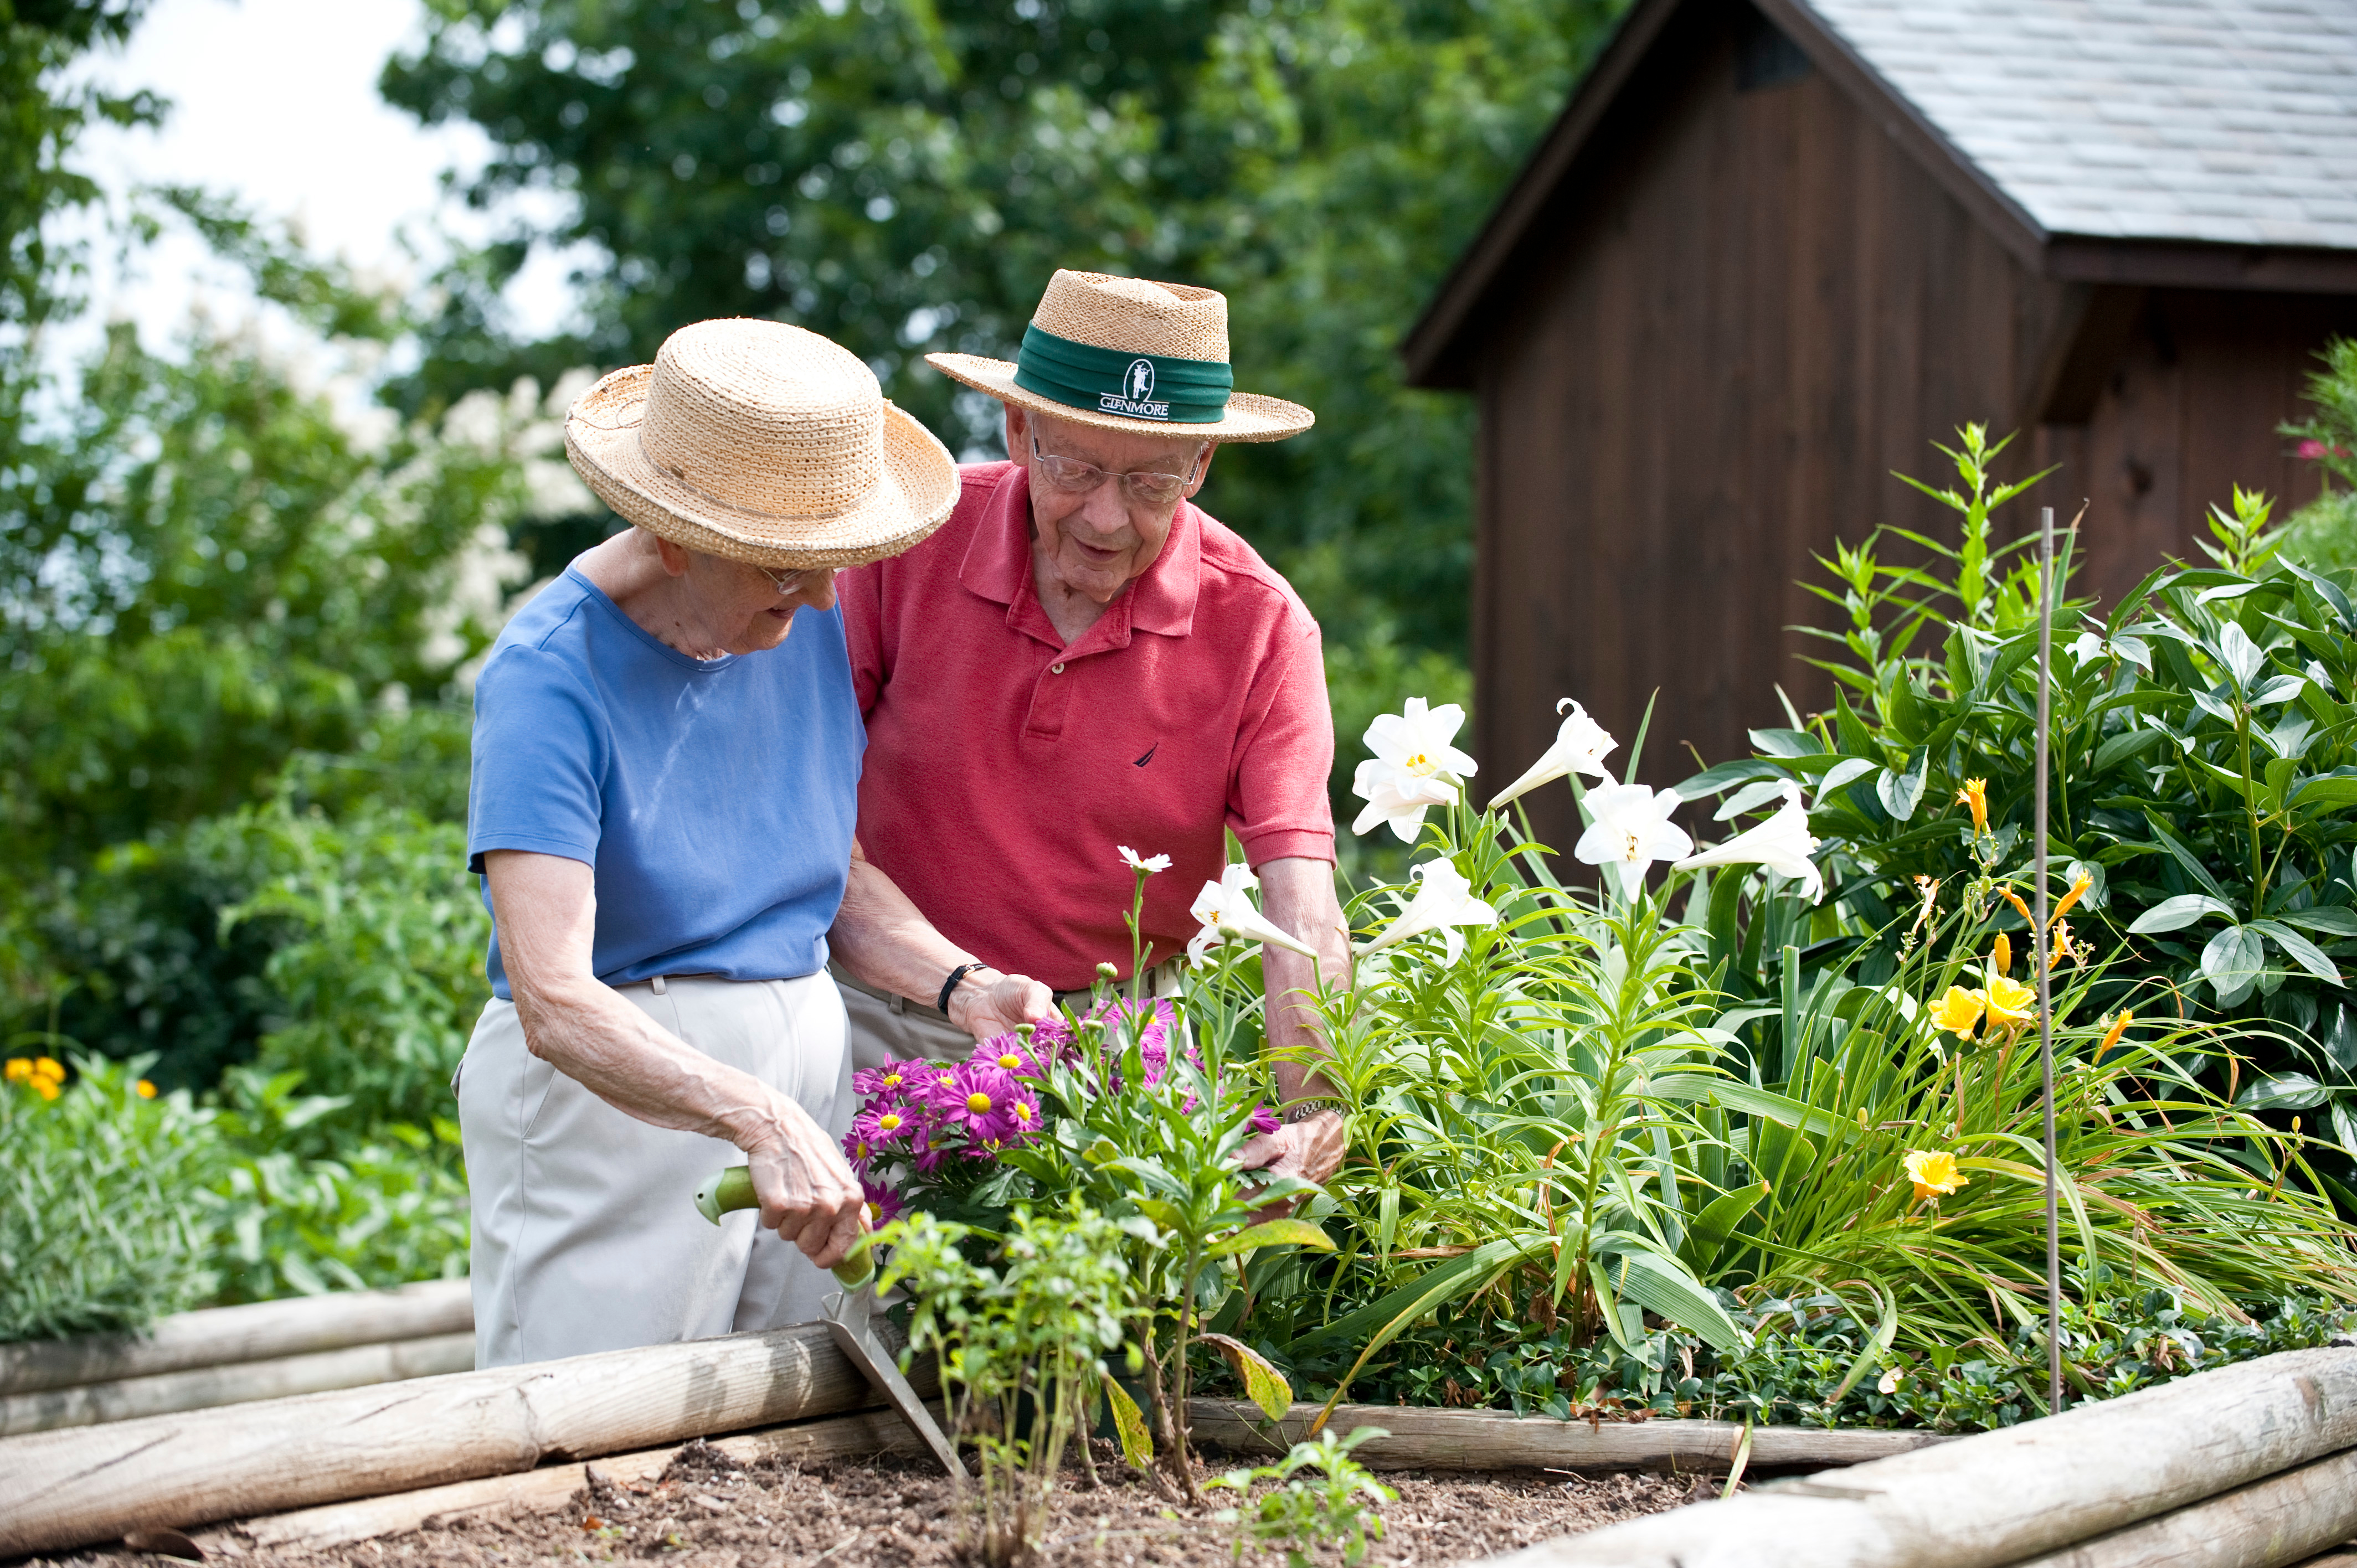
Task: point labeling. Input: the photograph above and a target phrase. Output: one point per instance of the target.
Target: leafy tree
(903, 176)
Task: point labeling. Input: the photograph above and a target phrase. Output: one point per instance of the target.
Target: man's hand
(808, 1195)
(1311, 1148)
(987, 1004)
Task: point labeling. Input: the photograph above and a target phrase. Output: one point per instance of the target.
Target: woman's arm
(885, 941)
(546, 909)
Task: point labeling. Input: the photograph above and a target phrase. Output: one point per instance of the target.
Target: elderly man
(660, 920)
(1081, 659)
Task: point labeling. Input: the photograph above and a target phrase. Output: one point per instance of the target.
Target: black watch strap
(956, 977)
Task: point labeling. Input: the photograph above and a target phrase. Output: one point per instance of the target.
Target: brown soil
(709, 1512)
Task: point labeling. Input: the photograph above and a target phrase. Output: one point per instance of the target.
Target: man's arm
(1298, 894)
(546, 909)
(883, 939)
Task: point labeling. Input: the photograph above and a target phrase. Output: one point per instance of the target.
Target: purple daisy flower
(977, 1105)
(892, 1080)
(887, 1125)
(1008, 1054)
(1264, 1120)
(883, 1204)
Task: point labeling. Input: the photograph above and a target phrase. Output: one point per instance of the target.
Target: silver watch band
(1302, 1110)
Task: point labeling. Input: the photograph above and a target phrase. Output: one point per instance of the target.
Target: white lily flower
(1226, 909)
(1414, 767)
(1783, 844)
(1149, 865)
(1444, 902)
(1579, 747)
(1632, 829)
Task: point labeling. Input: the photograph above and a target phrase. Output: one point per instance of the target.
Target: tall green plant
(2204, 759)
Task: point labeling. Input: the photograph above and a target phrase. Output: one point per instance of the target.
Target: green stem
(2251, 810)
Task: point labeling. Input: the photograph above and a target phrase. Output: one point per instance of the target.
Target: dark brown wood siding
(1704, 375)
(1743, 310)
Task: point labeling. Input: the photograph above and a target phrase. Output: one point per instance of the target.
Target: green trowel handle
(733, 1189)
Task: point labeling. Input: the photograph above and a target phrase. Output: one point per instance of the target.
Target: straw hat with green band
(1129, 354)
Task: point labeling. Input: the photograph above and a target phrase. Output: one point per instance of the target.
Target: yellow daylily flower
(1975, 794)
(2119, 1027)
(19, 1069)
(1934, 1173)
(147, 1090)
(2012, 1006)
(2000, 956)
(2061, 948)
(1959, 1011)
(48, 1086)
(48, 1067)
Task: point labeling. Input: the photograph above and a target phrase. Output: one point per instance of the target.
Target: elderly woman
(666, 768)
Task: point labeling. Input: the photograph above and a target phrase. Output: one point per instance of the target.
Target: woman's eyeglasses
(1075, 478)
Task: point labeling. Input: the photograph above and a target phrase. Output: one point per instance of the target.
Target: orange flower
(1975, 794)
(47, 1067)
(2112, 1035)
(2069, 901)
(2010, 897)
(48, 1086)
(2061, 949)
(19, 1069)
(147, 1090)
(2001, 956)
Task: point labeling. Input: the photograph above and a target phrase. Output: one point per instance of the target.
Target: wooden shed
(1769, 253)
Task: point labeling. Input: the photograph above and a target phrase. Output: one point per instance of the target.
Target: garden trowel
(849, 1316)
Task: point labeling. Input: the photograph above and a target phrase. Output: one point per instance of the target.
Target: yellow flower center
(978, 1102)
(1418, 763)
(892, 1080)
(1010, 1061)
(889, 1121)
(1023, 1112)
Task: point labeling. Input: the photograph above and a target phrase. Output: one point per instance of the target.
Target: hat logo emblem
(1140, 380)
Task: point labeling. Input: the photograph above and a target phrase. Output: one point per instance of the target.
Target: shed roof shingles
(2233, 121)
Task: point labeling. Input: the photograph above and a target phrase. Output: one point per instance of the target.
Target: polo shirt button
(1055, 670)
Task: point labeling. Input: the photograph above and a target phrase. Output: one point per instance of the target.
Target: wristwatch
(1302, 1110)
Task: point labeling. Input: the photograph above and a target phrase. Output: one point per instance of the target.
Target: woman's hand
(808, 1195)
(988, 1004)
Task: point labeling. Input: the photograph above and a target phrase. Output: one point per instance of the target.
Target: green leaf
(1777, 1108)
(1274, 1234)
(2131, 743)
(1900, 792)
(2301, 951)
(2175, 914)
(2283, 1092)
(2232, 962)
(1667, 1290)
(2185, 858)
(2331, 919)
(1717, 1222)
(1263, 1383)
(1786, 743)
(1129, 1424)
(2331, 793)
(1455, 1272)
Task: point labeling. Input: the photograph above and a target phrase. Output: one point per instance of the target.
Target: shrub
(2204, 762)
(101, 1213)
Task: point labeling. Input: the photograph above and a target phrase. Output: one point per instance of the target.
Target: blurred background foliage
(241, 586)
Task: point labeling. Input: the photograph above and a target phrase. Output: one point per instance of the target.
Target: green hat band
(1134, 386)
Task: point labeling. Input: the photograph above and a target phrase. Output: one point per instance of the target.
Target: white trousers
(586, 1233)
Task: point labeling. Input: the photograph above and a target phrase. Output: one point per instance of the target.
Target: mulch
(707, 1511)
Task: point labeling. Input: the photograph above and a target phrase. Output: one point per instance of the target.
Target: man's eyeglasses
(788, 584)
(1075, 478)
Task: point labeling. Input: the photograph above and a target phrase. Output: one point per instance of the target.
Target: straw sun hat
(762, 442)
(1126, 354)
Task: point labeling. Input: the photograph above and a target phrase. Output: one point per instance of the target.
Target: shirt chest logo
(1149, 755)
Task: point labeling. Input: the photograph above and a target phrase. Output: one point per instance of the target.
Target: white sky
(274, 101)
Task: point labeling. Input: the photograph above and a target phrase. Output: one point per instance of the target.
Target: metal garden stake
(2038, 946)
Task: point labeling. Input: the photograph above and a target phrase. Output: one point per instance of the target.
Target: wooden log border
(91, 1484)
(1423, 1438)
(2245, 1439)
(236, 1382)
(219, 1336)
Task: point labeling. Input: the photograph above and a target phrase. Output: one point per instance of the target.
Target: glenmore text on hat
(1130, 354)
(763, 442)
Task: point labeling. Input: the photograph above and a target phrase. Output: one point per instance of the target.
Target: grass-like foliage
(103, 1223)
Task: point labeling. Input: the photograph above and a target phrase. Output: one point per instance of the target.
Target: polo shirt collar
(998, 563)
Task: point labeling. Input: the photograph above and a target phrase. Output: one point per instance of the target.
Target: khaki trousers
(585, 1234)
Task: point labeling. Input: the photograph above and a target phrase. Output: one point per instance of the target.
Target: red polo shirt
(1004, 767)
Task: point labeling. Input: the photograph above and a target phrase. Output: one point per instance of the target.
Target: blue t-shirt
(716, 799)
